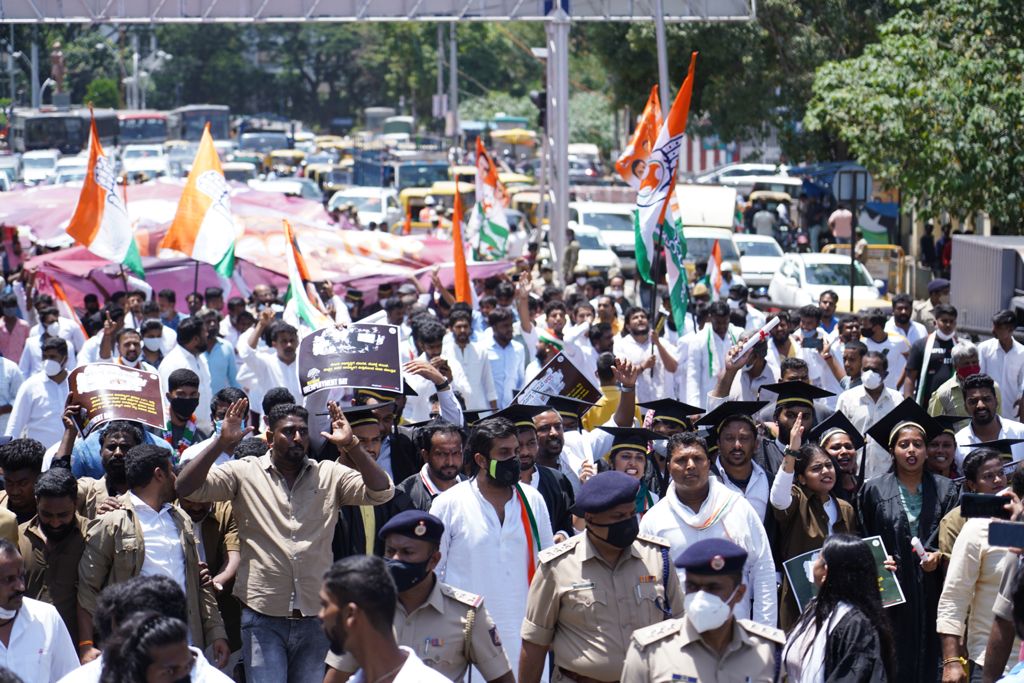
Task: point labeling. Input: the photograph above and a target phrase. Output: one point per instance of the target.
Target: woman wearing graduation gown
(905, 503)
(841, 440)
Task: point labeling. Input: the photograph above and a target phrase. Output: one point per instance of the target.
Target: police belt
(580, 678)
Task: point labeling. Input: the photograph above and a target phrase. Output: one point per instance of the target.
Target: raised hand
(341, 435)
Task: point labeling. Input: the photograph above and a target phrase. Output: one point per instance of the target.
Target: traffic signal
(540, 100)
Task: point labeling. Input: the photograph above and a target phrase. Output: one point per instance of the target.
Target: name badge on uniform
(581, 585)
(688, 679)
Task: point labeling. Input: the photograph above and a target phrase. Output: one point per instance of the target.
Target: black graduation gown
(853, 651)
(405, 457)
(558, 496)
(913, 623)
(350, 534)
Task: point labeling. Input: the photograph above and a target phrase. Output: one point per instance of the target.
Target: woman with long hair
(842, 635)
(841, 440)
(902, 506)
(806, 509)
(148, 648)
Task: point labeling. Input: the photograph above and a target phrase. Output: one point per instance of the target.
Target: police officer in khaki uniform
(592, 591)
(708, 644)
(447, 628)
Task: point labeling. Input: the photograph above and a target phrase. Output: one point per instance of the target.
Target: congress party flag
(659, 180)
(203, 227)
(101, 221)
(632, 163)
(488, 221)
(300, 285)
(674, 241)
(463, 293)
(714, 272)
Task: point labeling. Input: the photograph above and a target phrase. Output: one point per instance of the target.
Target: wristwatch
(443, 385)
(626, 390)
(792, 452)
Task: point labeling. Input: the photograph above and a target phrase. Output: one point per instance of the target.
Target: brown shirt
(586, 609)
(8, 526)
(286, 533)
(91, 494)
(51, 572)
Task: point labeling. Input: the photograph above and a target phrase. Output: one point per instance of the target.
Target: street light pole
(34, 69)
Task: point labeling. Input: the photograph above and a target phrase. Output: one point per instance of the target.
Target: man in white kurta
(708, 350)
(641, 346)
(1002, 359)
(487, 554)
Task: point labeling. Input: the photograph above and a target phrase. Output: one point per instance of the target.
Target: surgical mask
(967, 370)
(580, 281)
(504, 472)
(11, 311)
(184, 407)
(943, 336)
(707, 611)
(870, 379)
(152, 343)
(618, 293)
(53, 329)
(52, 368)
(407, 574)
(621, 534)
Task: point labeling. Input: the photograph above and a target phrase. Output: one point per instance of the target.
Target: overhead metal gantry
(557, 15)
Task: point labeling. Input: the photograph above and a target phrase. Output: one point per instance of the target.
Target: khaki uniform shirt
(114, 552)
(51, 573)
(8, 526)
(674, 651)
(286, 533)
(91, 494)
(437, 632)
(922, 313)
(586, 610)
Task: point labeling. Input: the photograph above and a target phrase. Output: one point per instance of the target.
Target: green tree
(103, 93)
(936, 107)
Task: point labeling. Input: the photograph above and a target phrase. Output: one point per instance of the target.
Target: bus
(186, 123)
(63, 130)
(142, 127)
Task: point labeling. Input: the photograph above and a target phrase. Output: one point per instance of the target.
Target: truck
(999, 261)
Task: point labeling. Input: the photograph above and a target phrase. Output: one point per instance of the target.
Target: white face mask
(53, 329)
(870, 379)
(152, 343)
(580, 281)
(943, 336)
(706, 611)
(618, 293)
(52, 368)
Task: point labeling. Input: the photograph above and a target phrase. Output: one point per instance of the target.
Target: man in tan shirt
(591, 592)
(447, 628)
(287, 506)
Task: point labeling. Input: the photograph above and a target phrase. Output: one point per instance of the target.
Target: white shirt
(487, 557)
(579, 447)
(739, 523)
(895, 348)
(177, 359)
(757, 490)
(40, 649)
(69, 331)
(269, 370)
(11, 380)
(863, 412)
(90, 351)
(413, 671)
(202, 672)
(164, 555)
(508, 365)
(31, 360)
(745, 387)
(648, 387)
(38, 410)
(914, 331)
(476, 369)
(417, 408)
(706, 363)
(195, 449)
(1009, 429)
(1006, 368)
(683, 358)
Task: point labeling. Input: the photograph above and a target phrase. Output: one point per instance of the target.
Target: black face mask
(504, 472)
(407, 574)
(621, 534)
(184, 407)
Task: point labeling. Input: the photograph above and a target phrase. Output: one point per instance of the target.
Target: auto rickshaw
(285, 162)
(465, 174)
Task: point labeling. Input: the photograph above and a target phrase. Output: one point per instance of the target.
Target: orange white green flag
(101, 222)
(487, 222)
(204, 228)
(659, 179)
(308, 306)
(632, 163)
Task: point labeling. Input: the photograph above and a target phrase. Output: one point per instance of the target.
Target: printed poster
(559, 377)
(107, 391)
(360, 355)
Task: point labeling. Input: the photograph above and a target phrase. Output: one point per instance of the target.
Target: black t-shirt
(939, 367)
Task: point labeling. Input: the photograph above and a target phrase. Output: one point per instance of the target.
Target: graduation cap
(671, 410)
(631, 438)
(1002, 446)
(744, 410)
(384, 395)
(566, 406)
(835, 424)
(950, 423)
(797, 392)
(908, 413)
(473, 416)
(521, 415)
(363, 414)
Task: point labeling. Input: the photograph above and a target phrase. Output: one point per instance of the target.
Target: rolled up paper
(759, 336)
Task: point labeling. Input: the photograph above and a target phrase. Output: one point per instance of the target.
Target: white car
(719, 175)
(701, 241)
(594, 253)
(802, 278)
(615, 221)
(760, 257)
(39, 166)
(147, 159)
(373, 204)
(71, 175)
(292, 187)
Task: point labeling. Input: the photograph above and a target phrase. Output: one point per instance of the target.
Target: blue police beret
(606, 490)
(417, 524)
(712, 556)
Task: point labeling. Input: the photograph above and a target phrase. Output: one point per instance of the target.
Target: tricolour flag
(675, 252)
(300, 285)
(463, 292)
(203, 227)
(632, 163)
(659, 180)
(488, 221)
(715, 271)
(101, 221)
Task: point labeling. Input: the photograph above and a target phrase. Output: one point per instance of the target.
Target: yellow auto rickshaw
(285, 162)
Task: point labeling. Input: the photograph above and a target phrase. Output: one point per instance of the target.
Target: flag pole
(124, 278)
(652, 318)
(195, 279)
